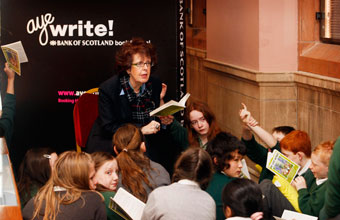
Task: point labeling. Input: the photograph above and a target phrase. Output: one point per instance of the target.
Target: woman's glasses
(141, 64)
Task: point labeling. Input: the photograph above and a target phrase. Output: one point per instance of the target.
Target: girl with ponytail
(138, 174)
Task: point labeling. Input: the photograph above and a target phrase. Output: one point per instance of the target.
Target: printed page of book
(129, 203)
(291, 215)
(282, 166)
(171, 107)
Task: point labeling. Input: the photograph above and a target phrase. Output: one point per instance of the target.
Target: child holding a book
(295, 146)
(226, 152)
(255, 151)
(106, 177)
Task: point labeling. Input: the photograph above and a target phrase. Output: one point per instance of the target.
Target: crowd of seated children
(138, 174)
(106, 178)
(331, 209)
(255, 151)
(242, 199)
(69, 193)
(34, 172)
(184, 198)
(226, 152)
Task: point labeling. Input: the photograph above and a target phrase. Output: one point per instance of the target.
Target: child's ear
(227, 212)
(215, 161)
(143, 147)
(115, 150)
(301, 155)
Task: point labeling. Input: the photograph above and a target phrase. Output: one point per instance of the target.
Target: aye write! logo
(45, 25)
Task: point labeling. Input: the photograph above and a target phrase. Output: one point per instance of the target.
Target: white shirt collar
(305, 168)
(188, 182)
(321, 181)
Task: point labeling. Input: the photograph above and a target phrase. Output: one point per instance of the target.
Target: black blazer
(114, 111)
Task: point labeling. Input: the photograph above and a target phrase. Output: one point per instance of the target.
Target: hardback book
(171, 107)
(279, 164)
(127, 205)
(14, 54)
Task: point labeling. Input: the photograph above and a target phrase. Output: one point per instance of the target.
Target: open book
(127, 205)
(244, 171)
(14, 55)
(279, 164)
(171, 107)
(291, 215)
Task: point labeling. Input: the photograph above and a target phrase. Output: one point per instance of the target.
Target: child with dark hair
(280, 132)
(226, 152)
(34, 172)
(184, 198)
(242, 199)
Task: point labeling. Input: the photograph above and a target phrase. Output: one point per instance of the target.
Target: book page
(170, 108)
(282, 166)
(244, 170)
(291, 215)
(184, 99)
(129, 203)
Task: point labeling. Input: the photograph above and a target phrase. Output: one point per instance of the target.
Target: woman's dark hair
(222, 147)
(209, 117)
(243, 197)
(124, 55)
(34, 171)
(283, 129)
(194, 164)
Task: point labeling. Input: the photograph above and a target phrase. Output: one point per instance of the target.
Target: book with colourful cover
(14, 54)
(171, 107)
(127, 205)
(279, 164)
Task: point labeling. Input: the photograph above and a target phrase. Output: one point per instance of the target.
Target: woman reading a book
(69, 193)
(106, 177)
(138, 174)
(129, 97)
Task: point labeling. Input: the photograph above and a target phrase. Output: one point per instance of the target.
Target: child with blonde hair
(69, 193)
(311, 199)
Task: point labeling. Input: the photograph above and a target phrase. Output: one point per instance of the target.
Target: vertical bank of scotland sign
(71, 48)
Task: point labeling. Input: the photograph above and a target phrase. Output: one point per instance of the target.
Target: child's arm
(252, 125)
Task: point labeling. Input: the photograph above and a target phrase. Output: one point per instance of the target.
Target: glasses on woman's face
(141, 64)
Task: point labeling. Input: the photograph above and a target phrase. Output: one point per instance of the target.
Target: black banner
(70, 46)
